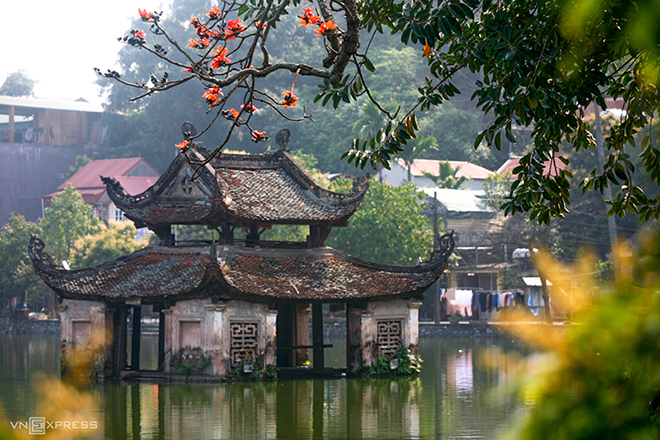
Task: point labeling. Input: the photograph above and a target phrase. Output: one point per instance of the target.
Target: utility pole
(607, 193)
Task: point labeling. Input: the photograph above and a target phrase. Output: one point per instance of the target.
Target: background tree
(415, 149)
(552, 59)
(388, 227)
(105, 244)
(66, 220)
(16, 275)
(446, 177)
(18, 84)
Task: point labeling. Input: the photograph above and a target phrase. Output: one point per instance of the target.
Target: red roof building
(398, 174)
(134, 174)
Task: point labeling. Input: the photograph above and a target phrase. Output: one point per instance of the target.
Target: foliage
(599, 379)
(17, 84)
(388, 227)
(533, 66)
(408, 364)
(105, 244)
(190, 360)
(16, 274)
(446, 177)
(67, 219)
(414, 150)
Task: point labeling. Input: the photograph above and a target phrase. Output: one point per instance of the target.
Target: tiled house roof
(261, 275)
(240, 189)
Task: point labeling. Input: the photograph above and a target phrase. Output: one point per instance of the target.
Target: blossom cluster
(308, 18)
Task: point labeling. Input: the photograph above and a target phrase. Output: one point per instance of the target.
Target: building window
(388, 337)
(243, 340)
(119, 215)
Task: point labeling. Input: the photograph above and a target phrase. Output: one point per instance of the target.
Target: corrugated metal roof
(32, 103)
(458, 200)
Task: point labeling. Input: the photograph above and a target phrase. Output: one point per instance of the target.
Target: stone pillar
(270, 351)
(216, 318)
(412, 332)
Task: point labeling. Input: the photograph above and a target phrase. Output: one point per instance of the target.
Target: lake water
(453, 398)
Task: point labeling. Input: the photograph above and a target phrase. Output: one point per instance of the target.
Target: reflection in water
(450, 400)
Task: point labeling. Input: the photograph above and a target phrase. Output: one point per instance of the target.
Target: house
(134, 173)
(39, 140)
(398, 174)
(49, 122)
(512, 162)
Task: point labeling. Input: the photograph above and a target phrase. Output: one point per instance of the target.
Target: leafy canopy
(537, 65)
(388, 227)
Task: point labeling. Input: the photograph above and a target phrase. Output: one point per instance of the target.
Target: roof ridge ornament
(37, 254)
(188, 130)
(282, 139)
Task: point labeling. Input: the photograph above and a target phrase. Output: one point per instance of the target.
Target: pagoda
(239, 304)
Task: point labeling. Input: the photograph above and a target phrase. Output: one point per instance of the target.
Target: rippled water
(453, 398)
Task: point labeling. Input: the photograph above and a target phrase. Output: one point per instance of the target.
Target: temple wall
(84, 325)
(215, 339)
(378, 330)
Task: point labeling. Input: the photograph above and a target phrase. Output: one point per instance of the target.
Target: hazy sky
(58, 43)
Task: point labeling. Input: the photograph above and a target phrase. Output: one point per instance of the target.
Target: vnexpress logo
(37, 425)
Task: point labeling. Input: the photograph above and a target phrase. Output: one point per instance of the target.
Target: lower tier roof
(157, 274)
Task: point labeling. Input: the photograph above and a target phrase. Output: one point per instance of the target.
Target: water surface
(453, 398)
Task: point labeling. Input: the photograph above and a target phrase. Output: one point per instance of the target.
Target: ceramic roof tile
(264, 188)
(160, 273)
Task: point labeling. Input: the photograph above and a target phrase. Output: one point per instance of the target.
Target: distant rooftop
(465, 169)
(25, 106)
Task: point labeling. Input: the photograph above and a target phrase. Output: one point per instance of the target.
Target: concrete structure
(39, 141)
(240, 306)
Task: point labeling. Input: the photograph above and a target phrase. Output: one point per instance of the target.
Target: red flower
(258, 136)
(308, 18)
(214, 14)
(199, 43)
(221, 58)
(248, 108)
(234, 27)
(213, 95)
(326, 27)
(144, 15)
(136, 38)
(231, 114)
(290, 98)
(183, 145)
(260, 24)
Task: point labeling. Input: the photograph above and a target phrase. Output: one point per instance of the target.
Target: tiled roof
(89, 175)
(465, 169)
(550, 166)
(258, 275)
(240, 189)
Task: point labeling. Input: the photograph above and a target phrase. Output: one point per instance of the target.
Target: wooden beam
(317, 335)
(135, 341)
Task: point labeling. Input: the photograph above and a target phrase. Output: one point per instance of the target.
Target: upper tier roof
(240, 189)
(157, 274)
